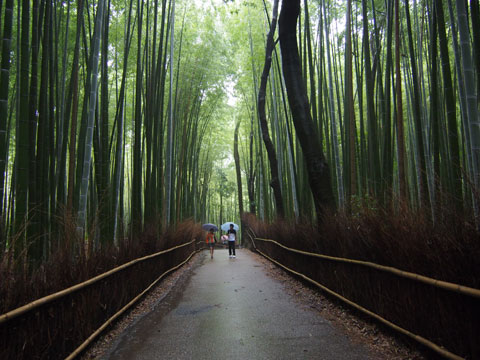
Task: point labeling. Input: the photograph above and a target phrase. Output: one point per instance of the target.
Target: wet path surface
(230, 309)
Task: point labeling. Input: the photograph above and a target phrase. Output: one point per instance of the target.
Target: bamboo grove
(118, 114)
(393, 92)
(105, 106)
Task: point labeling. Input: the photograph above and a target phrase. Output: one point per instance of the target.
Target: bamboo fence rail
(97, 332)
(412, 276)
(441, 284)
(49, 298)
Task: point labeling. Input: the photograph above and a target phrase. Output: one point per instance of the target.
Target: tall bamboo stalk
(4, 87)
(470, 95)
(399, 109)
(81, 220)
(349, 111)
(450, 103)
(333, 121)
(417, 116)
(169, 153)
(22, 137)
(137, 176)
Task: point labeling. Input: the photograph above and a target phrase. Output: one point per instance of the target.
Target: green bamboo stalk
(416, 100)
(453, 143)
(169, 153)
(350, 150)
(462, 97)
(333, 121)
(81, 217)
(62, 121)
(387, 123)
(470, 94)
(399, 109)
(22, 134)
(120, 121)
(373, 158)
(4, 87)
(475, 16)
(137, 175)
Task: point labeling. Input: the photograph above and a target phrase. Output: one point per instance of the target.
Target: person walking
(211, 240)
(232, 236)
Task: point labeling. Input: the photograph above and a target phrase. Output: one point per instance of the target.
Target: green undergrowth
(447, 250)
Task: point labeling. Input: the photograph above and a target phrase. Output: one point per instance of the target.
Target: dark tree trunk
(272, 156)
(317, 167)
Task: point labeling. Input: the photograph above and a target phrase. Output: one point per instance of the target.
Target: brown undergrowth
(400, 238)
(56, 329)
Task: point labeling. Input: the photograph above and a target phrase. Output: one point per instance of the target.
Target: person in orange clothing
(211, 240)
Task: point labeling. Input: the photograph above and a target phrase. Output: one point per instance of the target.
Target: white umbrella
(226, 226)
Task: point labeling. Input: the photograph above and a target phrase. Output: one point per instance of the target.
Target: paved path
(230, 309)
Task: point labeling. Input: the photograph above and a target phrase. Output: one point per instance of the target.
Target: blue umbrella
(226, 226)
(209, 227)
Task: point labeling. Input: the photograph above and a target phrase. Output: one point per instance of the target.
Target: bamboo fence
(405, 274)
(464, 290)
(26, 310)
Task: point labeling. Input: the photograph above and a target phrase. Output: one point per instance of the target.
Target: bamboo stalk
(49, 298)
(409, 275)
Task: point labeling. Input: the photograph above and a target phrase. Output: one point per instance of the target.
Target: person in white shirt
(232, 235)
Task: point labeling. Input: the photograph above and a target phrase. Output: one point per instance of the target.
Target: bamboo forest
(342, 127)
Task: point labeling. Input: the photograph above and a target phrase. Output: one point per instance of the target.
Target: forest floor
(356, 327)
